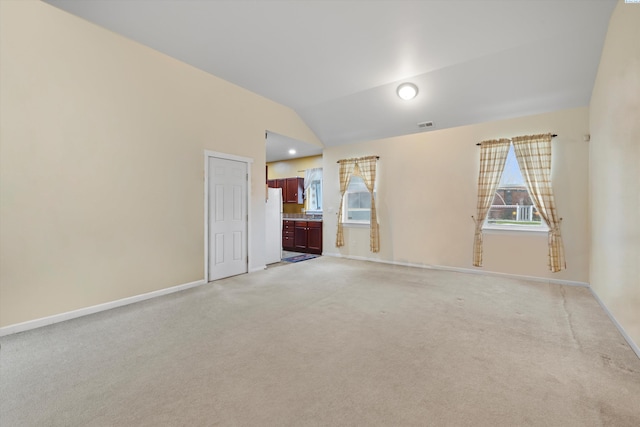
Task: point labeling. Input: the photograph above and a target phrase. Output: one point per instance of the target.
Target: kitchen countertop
(301, 218)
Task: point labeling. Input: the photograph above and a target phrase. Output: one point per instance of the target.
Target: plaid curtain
(364, 167)
(493, 155)
(346, 170)
(534, 157)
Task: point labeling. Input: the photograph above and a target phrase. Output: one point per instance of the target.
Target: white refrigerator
(273, 226)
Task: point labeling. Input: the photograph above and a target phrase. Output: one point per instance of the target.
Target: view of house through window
(357, 204)
(512, 205)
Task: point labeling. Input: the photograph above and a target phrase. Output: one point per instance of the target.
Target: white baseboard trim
(624, 334)
(463, 270)
(56, 318)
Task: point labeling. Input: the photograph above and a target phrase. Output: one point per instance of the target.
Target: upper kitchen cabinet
(294, 190)
(298, 192)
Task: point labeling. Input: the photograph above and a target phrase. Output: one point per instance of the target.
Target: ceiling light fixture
(292, 151)
(407, 91)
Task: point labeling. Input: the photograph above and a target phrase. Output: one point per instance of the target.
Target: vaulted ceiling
(338, 63)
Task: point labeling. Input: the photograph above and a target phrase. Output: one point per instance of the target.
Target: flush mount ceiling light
(292, 151)
(407, 91)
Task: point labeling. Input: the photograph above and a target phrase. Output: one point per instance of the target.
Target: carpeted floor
(330, 342)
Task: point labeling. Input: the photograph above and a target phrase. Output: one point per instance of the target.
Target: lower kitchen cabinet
(308, 237)
(288, 233)
(314, 237)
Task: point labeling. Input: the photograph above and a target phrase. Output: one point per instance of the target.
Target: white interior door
(227, 218)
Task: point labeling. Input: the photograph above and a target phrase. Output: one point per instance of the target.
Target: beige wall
(101, 163)
(427, 194)
(615, 171)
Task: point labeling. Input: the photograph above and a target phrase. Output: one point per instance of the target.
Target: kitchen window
(313, 190)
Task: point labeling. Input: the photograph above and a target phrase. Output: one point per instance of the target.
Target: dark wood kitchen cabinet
(314, 237)
(308, 237)
(288, 234)
(294, 190)
(277, 183)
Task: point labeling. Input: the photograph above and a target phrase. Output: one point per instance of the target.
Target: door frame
(249, 161)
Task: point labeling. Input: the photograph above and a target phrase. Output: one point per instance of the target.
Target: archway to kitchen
(293, 210)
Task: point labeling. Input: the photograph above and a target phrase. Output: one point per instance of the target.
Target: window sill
(517, 229)
(356, 224)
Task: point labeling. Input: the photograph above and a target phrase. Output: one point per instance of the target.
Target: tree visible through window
(512, 205)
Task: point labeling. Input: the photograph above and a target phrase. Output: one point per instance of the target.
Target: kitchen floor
(285, 254)
(288, 254)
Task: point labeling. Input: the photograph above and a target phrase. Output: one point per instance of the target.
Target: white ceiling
(338, 63)
(278, 147)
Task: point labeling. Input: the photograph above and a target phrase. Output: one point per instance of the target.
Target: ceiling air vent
(425, 124)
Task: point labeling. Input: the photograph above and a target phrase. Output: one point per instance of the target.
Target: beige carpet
(330, 342)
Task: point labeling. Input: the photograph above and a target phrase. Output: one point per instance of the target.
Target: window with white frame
(314, 196)
(512, 206)
(313, 190)
(357, 203)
